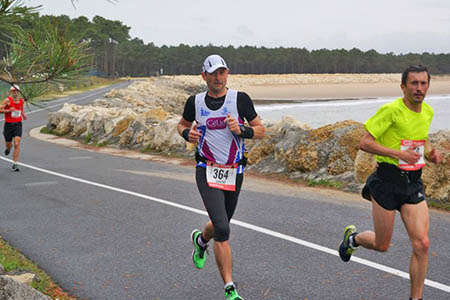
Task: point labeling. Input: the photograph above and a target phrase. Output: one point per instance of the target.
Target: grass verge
(439, 205)
(11, 259)
(45, 130)
(324, 182)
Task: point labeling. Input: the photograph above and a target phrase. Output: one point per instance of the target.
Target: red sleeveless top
(14, 116)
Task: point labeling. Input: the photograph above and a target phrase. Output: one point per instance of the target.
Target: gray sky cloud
(245, 31)
(400, 26)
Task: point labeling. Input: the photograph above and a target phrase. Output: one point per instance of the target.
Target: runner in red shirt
(12, 106)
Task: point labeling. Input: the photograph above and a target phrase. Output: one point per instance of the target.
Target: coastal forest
(114, 53)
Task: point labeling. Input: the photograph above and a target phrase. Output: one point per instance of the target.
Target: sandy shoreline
(302, 87)
(325, 91)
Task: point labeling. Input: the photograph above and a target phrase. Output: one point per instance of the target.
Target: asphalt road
(108, 227)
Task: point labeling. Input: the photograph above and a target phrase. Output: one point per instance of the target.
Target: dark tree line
(114, 53)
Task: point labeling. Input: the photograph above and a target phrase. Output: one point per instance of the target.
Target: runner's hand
(435, 156)
(194, 135)
(410, 156)
(233, 125)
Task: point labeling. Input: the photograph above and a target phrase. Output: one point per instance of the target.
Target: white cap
(14, 88)
(213, 62)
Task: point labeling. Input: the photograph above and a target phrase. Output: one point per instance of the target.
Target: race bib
(221, 176)
(419, 148)
(16, 114)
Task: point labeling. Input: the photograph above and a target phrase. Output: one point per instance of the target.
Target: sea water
(320, 113)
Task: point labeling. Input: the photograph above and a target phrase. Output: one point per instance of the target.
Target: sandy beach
(318, 86)
(438, 86)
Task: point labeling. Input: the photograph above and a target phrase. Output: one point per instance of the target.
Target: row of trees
(143, 59)
(135, 58)
(114, 53)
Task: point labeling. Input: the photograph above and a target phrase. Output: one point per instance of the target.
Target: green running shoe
(232, 294)
(345, 249)
(199, 253)
(15, 168)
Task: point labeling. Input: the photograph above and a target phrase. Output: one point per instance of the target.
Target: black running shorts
(11, 130)
(219, 204)
(392, 194)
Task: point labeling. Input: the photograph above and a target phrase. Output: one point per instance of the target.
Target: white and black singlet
(219, 145)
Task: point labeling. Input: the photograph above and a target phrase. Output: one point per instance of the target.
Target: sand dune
(320, 86)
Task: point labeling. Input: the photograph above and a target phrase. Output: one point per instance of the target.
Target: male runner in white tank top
(219, 133)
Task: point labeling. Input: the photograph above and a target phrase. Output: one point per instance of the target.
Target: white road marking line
(43, 183)
(80, 157)
(263, 230)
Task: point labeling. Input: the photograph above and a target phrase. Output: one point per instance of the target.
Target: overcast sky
(399, 26)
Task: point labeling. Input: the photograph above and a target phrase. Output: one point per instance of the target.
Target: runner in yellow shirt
(398, 135)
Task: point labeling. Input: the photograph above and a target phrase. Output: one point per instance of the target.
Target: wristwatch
(242, 128)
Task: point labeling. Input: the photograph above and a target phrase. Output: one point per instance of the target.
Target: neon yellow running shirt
(395, 122)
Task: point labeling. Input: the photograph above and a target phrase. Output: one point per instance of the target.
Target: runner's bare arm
(368, 144)
(194, 135)
(431, 154)
(4, 105)
(258, 128)
(182, 125)
(24, 115)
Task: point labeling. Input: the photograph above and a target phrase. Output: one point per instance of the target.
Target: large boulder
(167, 137)
(365, 164)
(272, 145)
(11, 289)
(331, 148)
(436, 177)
